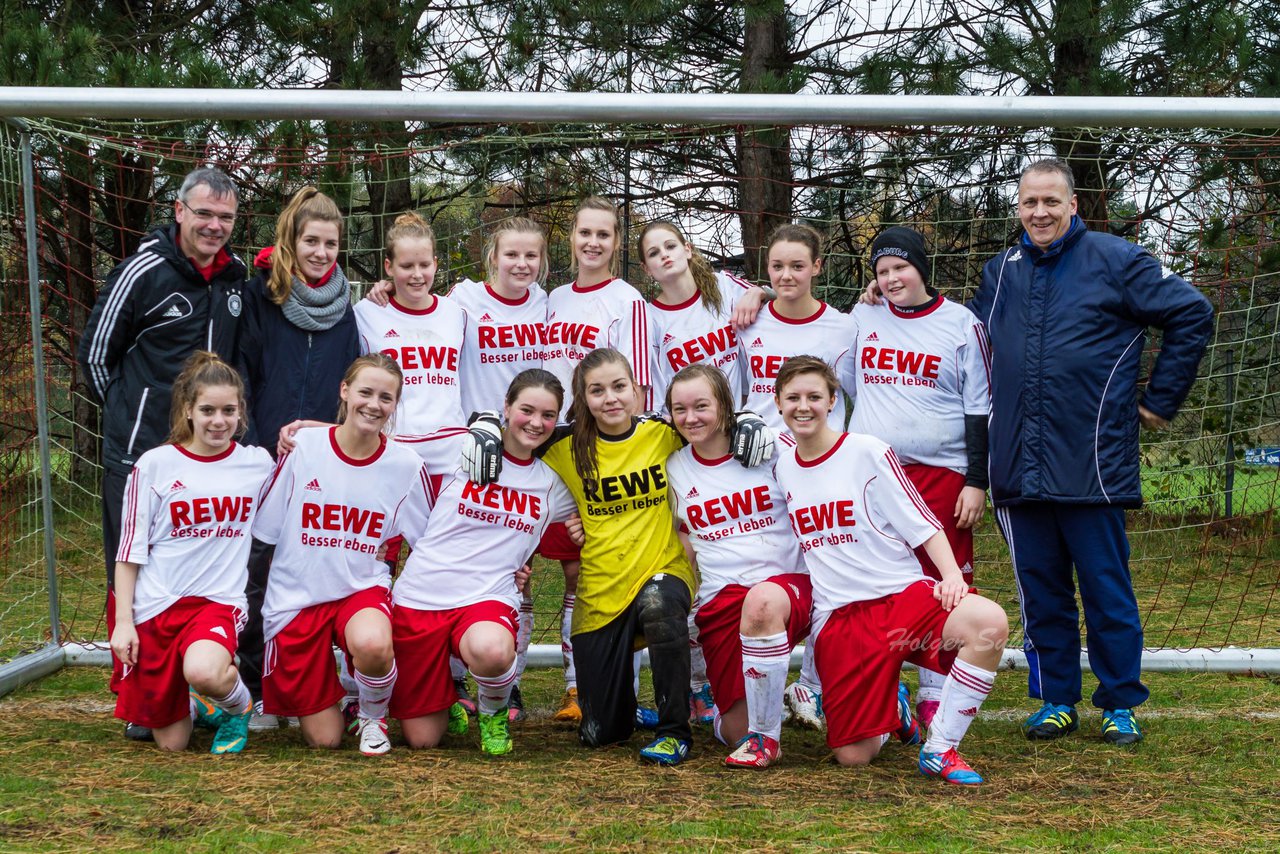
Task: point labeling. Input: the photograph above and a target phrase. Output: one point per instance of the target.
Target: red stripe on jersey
(911, 490)
(639, 335)
(271, 481)
(981, 686)
(442, 433)
(738, 280)
(130, 515)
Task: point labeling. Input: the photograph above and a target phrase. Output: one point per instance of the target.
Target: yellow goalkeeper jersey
(630, 530)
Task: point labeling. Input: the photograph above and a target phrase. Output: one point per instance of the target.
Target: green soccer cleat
(233, 733)
(495, 733)
(207, 715)
(1052, 721)
(1120, 727)
(459, 723)
(667, 750)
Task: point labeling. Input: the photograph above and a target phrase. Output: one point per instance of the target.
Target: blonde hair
(307, 205)
(408, 226)
(370, 360)
(202, 370)
(704, 278)
(514, 225)
(600, 203)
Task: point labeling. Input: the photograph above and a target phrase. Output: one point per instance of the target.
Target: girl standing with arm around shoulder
(180, 571)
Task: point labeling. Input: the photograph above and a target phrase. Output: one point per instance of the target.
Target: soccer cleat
(949, 767)
(1051, 721)
(207, 715)
(925, 710)
(667, 750)
(373, 736)
(702, 706)
(755, 750)
(806, 706)
(464, 696)
(261, 721)
(570, 711)
(515, 705)
(138, 732)
(1120, 727)
(646, 718)
(351, 715)
(459, 722)
(233, 732)
(495, 733)
(908, 730)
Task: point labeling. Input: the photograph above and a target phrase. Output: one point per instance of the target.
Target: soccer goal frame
(504, 107)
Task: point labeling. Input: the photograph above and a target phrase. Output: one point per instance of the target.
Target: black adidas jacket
(155, 310)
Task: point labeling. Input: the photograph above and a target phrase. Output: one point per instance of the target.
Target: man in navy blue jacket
(1067, 310)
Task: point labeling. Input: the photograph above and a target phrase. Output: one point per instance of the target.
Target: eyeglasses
(208, 215)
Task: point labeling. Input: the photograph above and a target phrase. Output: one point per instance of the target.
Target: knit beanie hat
(904, 243)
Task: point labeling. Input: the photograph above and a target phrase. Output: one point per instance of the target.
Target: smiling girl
(180, 571)
(336, 498)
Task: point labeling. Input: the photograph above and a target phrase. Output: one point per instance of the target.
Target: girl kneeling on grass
(858, 516)
(182, 565)
(458, 594)
(755, 596)
(334, 501)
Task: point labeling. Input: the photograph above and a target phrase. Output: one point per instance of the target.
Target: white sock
(523, 634)
(566, 641)
(809, 670)
(345, 677)
(962, 694)
(764, 676)
(375, 693)
(635, 668)
(494, 692)
(697, 661)
(715, 727)
(457, 669)
(237, 702)
(931, 682)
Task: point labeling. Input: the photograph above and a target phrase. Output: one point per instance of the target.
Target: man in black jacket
(180, 292)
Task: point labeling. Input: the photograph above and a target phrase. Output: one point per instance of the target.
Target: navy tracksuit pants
(1054, 546)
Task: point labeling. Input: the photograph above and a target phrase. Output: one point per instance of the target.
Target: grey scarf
(317, 309)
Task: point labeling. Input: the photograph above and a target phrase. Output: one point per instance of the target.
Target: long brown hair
(307, 205)
(585, 429)
(535, 378)
(800, 365)
(704, 278)
(720, 391)
(370, 360)
(797, 232)
(202, 370)
(600, 203)
(514, 225)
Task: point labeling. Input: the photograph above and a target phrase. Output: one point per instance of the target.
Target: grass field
(1206, 778)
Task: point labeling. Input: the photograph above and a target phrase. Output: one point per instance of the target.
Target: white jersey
(681, 335)
(580, 320)
(772, 339)
(328, 515)
(427, 344)
(186, 521)
(478, 536)
(858, 518)
(504, 337)
(736, 518)
(917, 375)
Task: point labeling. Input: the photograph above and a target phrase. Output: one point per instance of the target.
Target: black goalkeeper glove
(752, 439)
(482, 449)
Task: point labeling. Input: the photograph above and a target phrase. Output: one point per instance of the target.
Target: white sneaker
(373, 736)
(805, 705)
(261, 722)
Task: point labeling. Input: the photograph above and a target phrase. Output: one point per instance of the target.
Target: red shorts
(153, 693)
(424, 640)
(859, 653)
(556, 545)
(719, 624)
(299, 676)
(940, 489)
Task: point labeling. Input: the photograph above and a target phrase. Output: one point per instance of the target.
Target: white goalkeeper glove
(752, 439)
(482, 449)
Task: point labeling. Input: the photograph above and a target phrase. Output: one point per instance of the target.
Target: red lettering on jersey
(735, 505)
(425, 358)
(501, 498)
(581, 334)
(822, 517)
(701, 347)
(220, 508)
(902, 361)
(512, 335)
(341, 517)
(180, 514)
(766, 367)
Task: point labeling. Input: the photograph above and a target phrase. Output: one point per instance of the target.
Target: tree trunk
(82, 292)
(1077, 59)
